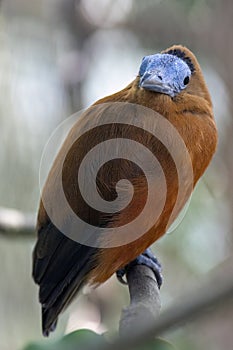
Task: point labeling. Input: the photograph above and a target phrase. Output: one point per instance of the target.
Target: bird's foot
(148, 259)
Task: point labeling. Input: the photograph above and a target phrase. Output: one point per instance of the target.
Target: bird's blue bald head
(164, 73)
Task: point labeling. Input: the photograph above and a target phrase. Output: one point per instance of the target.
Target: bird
(170, 83)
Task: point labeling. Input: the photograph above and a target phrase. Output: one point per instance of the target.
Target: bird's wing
(61, 265)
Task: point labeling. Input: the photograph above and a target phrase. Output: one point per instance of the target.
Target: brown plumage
(61, 266)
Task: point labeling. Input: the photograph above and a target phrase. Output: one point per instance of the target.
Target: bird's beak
(153, 83)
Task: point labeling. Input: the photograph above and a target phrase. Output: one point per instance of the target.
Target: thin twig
(14, 223)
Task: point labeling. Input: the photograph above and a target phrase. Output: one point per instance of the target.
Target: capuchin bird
(170, 83)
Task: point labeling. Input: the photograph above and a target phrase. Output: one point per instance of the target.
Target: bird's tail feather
(50, 314)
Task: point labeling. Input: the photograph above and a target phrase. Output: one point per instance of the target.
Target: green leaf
(84, 338)
(76, 340)
(80, 339)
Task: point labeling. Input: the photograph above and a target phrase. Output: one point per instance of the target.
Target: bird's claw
(148, 259)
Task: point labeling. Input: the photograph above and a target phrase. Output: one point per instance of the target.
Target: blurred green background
(58, 56)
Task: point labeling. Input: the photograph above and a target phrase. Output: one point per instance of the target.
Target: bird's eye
(186, 80)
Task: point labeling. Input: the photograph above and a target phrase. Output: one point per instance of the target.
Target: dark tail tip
(48, 322)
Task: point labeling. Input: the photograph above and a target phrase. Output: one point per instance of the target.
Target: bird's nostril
(159, 76)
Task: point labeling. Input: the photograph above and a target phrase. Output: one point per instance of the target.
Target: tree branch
(215, 291)
(14, 223)
(144, 300)
(140, 322)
